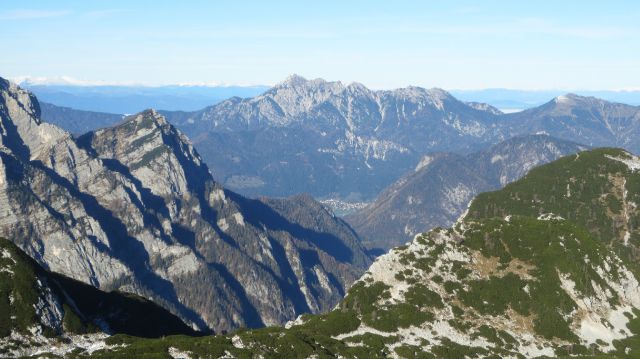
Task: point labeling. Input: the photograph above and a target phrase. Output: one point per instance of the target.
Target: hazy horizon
(61, 81)
(461, 45)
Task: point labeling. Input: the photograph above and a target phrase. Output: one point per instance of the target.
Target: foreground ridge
(516, 282)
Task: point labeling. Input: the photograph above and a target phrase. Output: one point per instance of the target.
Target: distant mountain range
(78, 121)
(508, 99)
(348, 143)
(441, 186)
(134, 98)
(134, 208)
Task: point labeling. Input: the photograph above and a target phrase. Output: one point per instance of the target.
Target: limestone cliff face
(133, 207)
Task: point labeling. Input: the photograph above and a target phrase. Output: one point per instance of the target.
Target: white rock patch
(633, 162)
(238, 218)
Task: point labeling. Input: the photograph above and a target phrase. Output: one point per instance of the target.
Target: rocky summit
(134, 208)
(545, 267)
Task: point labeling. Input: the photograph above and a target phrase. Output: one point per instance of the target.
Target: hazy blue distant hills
(507, 99)
(133, 99)
(78, 121)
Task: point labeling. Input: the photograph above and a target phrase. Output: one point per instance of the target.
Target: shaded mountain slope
(37, 305)
(329, 139)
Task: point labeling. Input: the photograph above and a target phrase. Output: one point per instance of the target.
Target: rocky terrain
(586, 120)
(439, 189)
(531, 271)
(134, 208)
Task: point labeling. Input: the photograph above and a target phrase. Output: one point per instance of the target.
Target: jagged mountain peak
(21, 129)
(147, 121)
(13, 94)
(295, 81)
(358, 89)
(146, 143)
(18, 105)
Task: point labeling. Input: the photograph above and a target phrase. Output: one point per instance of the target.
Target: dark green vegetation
(548, 247)
(18, 290)
(588, 189)
(68, 306)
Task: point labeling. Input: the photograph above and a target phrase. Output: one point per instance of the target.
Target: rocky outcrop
(134, 208)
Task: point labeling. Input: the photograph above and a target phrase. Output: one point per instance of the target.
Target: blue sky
(383, 44)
